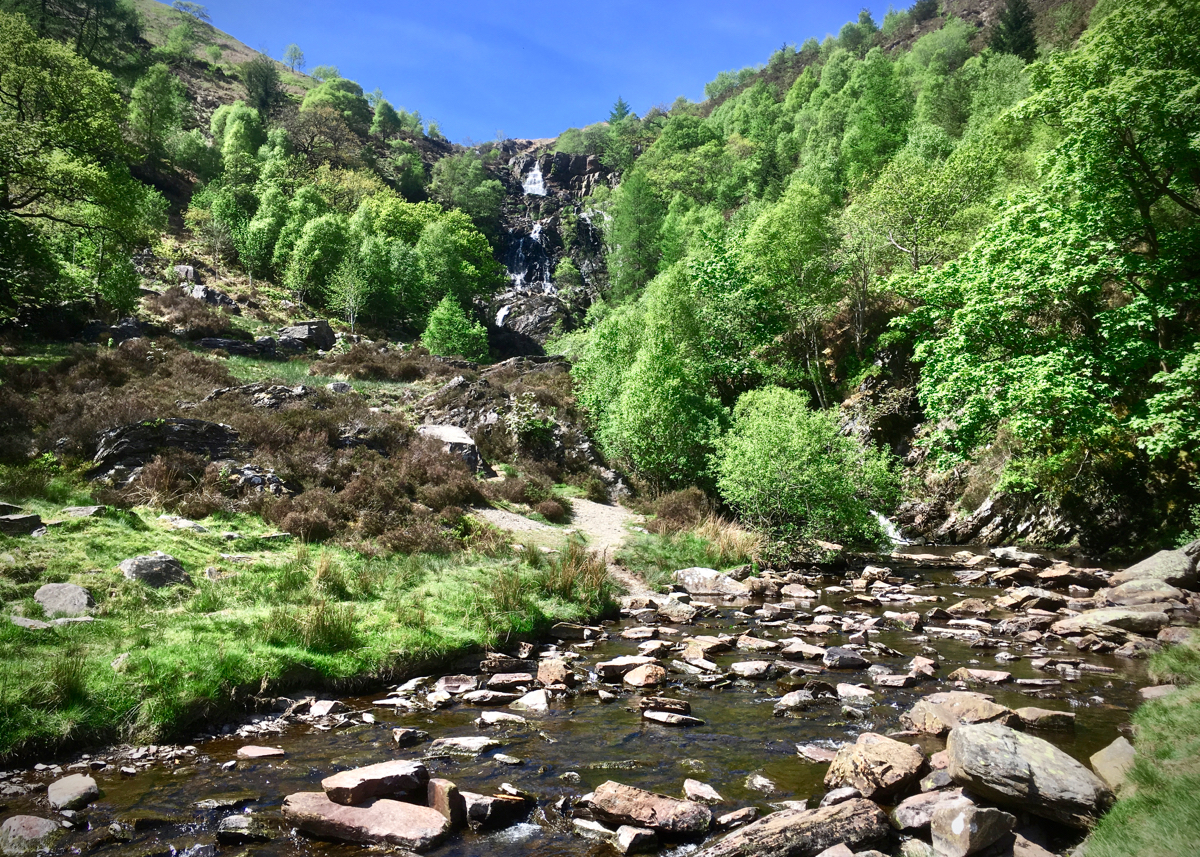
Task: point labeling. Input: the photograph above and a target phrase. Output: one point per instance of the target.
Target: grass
(1161, 816)
(714, 543)
(156, 663)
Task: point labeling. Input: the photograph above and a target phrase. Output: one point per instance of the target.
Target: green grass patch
(1161, 816)
(656, 557)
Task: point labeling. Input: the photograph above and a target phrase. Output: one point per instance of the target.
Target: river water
(597, 741)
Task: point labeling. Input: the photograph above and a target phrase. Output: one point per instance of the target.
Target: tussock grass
(714, 543)
(1161, 817)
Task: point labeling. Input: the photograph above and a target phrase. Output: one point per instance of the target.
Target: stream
(583, 741)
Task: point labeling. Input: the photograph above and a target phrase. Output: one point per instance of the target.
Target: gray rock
(340, 387)
(841, 795)
(84, 511)
(25, 834)
(634, 840)
(914, 814)
(856, 823)
(243, 829)
(1112, 764)
(455, 441)
(20, 525)
(311, 334)
(1176, 567)
(135, 444)
(73, 792)
(709, 581)
(488, 812)
(1146, 590)
(1146, 622)
(381, 821)
(876, 765)
(1013, 769)
(156, 571)
(63, 599)
(938, 713)
(1013, 556)
(960, 831)
(837, 658)
(386, 779)
(1045, 718)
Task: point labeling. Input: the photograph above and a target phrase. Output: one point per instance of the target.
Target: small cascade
(890, 529)
(534, 184)
(529, 264)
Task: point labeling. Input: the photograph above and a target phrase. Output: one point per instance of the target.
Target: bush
(679, 510)
(789, 469)
(450, 332)
(552, 510)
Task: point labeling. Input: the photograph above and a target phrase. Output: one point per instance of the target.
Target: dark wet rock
(856, 823)
(1176, 567)
(961, 831)
(63, 599)
(816, 753)
(938, 713)
(913, 814)
(263, 394)
(489, 812)
(380, 821)
(876, 765)
(671, 817)
(73, 792)
(386, 779)
(443, 796)
(311, 334)
(244, 829)
(1045, 718)
(1112, 764)
(494, 664)
(1013, 769)
(837, 658)
(20, 524)
(135, 444)
(25, 834)
(708, 581)
(665, 703)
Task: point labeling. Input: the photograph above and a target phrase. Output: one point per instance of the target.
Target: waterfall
(534, 184)
(528, 264)
(890, 528)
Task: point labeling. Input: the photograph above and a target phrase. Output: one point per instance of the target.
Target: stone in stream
(634, 840)
(759, 783)
(960, 831)
(252, 752)
(615, 669)
(796, 700)
(63, 599)
(1122, 618)
(1045, 718)
(677, 613)
(1133, 593)
(913, 814)
(801, 649)
(1030, 598)
(443, 796)
(586, 828)
(701, 792)
(404, 736)
(837, 658)
(938, 713)
(816, 753)
(856, 823)
(738, 817)
(665, 703)
(753, 669)
(667, 718)
(555, 671)
(647, 675)
(897, 680)
(468, 746)
(708, 581)
(456, 685)
(537, 701)
(489, 697)
(1013, 769)
(488, 812)
(570, 631)
(393, 822)
(325, 707)
(797, 591)
(754, 644)
(1176, 567)
(386, 779)
(500, 718)
(973, 676)
(156, 570)
(876, 765)
(73, 792)
(508, 681)
(494, 663)
(1112, 764)
(854, 692)
(639, 634)
(24, 834)
(243, 829)
(667, 816)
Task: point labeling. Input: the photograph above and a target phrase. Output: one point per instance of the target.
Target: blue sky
(530, 70)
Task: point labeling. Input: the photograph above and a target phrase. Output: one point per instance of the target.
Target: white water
(890, 528)
(534, 184)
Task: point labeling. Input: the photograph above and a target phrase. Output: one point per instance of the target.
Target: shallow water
(740, 737)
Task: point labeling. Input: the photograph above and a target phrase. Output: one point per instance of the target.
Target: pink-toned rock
(857, 823)
(253, 752)
(621, 804)
(938, 713)
(647, 675)
(22, 834)
(973, 676)
(443, 796)
(876, 765)
(385, 779)
(380, 821)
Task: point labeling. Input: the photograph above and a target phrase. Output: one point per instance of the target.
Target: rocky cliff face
(544, 221)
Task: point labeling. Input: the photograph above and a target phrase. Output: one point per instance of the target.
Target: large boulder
(913, 814)
(156, 571)
(63, 599)
(938, 713)
(1146, 622)
(667, 816)
(25, 834)
(73, 792)
(311, 334)
(1113, 763)
(455, 441)
(876, 765)
(1144, 590)
(381, 821)
(855, 823)
(383, 780)
(708, 581)
(1176, 567)
(20, 524)
(960, 831)
(1013, 769)
(135, 444)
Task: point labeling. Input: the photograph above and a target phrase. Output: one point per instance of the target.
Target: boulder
(1176, 567)
(1028, 773)
(1112, 764)
(708, 581)
(73, 792)
(634, 840)
(1147, 622)
(973, 676)
(385, 779)
(555, 671)
(1045, 718)
(665, 703)
(536, 701)
(1011, 556)
(135, 444)
(25, 834)
(243, 829)
(616, 669)
(443, 796)
(647, 675)
(381, 821)
(1030, 598)
(876, 765)
(856, 823)
(156, 571)
(20, 525)
(64, 599)
(467, 746)
(960, 831)
(837, 658)
(913, 814)
(488, 812)
(670, 718)
(311, 334)
(938, 713)
(667, 816)
(1146, 590)
(457, 442)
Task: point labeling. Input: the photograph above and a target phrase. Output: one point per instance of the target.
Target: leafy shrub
(450, 332)
(790, 470)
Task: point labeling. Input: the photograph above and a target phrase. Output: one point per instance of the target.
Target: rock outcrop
(855, 823)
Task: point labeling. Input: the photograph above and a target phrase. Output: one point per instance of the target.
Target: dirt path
(604, 526)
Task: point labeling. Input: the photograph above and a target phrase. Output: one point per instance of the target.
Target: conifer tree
(1014, 32)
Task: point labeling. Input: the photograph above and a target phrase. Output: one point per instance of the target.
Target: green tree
(620, 110)
(1014, 31)
(181, 43)
(450, 333)
(386, 121)
(325, 72)
(457, 260)
(235, 128)
(633, 235)
(459, 181)
(156, 109)
(105, 32)
(294, 57)
(350, 293)
(192, 10)
(316, 258)
(263, 91)
(791, 470)
(345, 98)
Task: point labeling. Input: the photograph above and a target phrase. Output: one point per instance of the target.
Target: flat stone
(876, 765)
(938, 713)
(960, 831)
(24, 834)
(647, 675)
(665, 703)
(489, 697)
(616, 669)
(753, 669)
(456, 684)
(708, 581)
(701, 792)
(634, 840)
(1133, 593)
(857, 823)
(536, 701)
(64, 599)
(555, 671)
(837, 658)
(1123, 618)
(1045, 718)
(671, 817)
(73, 792)
(500, 718)
(467, 746)
(20, 525)
(816, 753)
(240, 829)
(1113, 763)
(380, 821)
(912, 815)
(667, 718)
(973, 676)
(253, 752)
(386, 779)
(738, 817)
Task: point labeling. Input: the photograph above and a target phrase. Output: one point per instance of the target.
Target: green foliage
(104, 32)
(237, 128)
(156, 109)
(345, 98)
(459, 181)
(318, 254)
(294, 57)
(1014, 31)
(263, 89)
(790, 469)
(449, 332)
(325, 72)
(633, 235)
(1171, 425)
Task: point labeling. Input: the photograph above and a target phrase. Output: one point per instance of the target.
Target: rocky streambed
(972, 704)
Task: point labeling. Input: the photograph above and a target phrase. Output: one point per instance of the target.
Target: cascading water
(534, 184)
(890, 529)
(528, 264)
